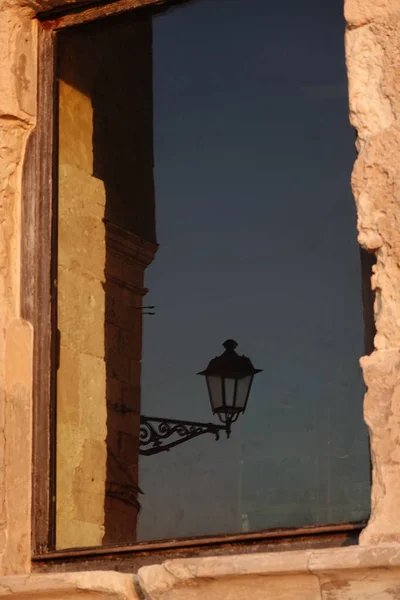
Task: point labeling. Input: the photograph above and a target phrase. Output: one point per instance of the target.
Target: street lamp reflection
(229, 379)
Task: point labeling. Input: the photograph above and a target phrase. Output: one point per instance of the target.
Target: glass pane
(242, 390)
(253, 155)
(215, 391)
(203, 188)
(229, 385)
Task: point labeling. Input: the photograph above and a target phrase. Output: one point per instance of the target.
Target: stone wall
(81, 376)
(372, 43)
(127, 258)
(101, 263)
(17, 119)
(373, 61)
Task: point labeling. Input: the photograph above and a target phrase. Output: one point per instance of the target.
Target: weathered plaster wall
(17, 111)
(373, 59)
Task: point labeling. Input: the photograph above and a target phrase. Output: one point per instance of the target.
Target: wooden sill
(130, 558)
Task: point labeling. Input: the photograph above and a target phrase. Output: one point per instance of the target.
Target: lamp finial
(230, 345)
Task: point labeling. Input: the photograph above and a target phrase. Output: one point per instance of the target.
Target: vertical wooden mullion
(43, 492)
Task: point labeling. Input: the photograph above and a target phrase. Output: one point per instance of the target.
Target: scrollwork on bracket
(159, 435)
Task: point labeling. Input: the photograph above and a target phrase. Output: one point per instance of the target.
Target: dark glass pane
(219, 131)
(229, 385)
(242, 390)
(215, 391)
(257, 231)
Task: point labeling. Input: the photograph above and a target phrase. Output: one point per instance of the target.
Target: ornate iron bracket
(156, 433)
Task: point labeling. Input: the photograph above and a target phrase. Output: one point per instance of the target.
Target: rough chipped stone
(223, 566)
(266, 576)
(370, 108)
(358, 586)
(256, 587)
(15, 338)
(354, 558)
(70, 586)
(377, 192)
(17, 449)
(17, 475)
(352, 573)
(360, 12)
(358, 572)
(382, 414)
(18, 62)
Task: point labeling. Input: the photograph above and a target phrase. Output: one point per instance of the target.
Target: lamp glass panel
(229, 385)
(215, 391)
(242, 390)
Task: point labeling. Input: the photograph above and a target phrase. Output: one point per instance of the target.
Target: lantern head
(229, 378)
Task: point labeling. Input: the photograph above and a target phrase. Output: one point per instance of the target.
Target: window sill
(352, 573)
(69, 586)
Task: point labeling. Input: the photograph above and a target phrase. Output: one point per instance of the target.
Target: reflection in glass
(223, 373)
(253, 154)
(215, 390)
(243, 387)
(213, 180)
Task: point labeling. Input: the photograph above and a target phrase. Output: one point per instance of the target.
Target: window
(204, 159)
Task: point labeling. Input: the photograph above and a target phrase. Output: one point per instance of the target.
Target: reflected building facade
(106, 227)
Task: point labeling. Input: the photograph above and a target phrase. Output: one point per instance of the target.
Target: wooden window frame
(38, 252)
